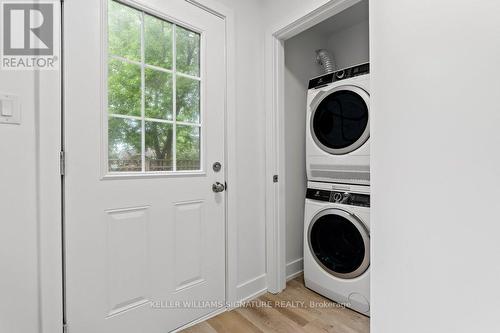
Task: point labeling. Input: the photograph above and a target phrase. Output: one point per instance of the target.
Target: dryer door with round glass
(340, 119)
(340, 243)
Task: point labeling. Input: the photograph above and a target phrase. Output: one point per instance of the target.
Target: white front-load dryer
(338, 127)
(337, 243)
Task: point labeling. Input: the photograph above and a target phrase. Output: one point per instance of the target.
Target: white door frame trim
(49, 201)
(48, 113)
(275, 138)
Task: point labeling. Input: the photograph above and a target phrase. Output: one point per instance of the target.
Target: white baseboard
(294, 268)
(199, 320)
(245, 291)
(252, 288)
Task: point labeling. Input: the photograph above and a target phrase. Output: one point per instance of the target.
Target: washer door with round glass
(340, 243)
(340, 119)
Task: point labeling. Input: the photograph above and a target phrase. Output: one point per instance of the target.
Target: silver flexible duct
(325, 59)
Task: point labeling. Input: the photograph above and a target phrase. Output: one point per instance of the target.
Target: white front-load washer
(338, 127)
(337, 243)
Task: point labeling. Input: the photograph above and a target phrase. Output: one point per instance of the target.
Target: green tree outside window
(153, 94)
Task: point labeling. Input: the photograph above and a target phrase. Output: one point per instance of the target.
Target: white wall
(435, 166)
(278, 13)
(250, 143)
(300, 66)
(30, 237)
(350, 46)
(18, 227)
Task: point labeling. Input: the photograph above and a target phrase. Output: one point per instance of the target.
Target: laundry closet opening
(344, 38)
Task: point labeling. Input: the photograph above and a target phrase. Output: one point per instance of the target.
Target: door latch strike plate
(62, 162)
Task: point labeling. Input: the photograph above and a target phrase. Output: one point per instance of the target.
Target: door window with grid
(154, 83)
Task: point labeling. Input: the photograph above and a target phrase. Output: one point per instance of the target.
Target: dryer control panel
(341, 74)
(343, 198)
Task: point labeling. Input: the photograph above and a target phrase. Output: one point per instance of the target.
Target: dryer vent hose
(325, 59)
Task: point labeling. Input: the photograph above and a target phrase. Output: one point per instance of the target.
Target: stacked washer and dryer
(337, 206)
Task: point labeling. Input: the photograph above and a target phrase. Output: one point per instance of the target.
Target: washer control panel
(344, 198)
(341, 74)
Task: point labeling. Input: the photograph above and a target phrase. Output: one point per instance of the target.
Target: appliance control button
(337, 197)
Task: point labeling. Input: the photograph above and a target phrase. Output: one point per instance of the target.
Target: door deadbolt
(217, 166)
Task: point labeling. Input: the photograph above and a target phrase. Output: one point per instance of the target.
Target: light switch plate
(10, 110)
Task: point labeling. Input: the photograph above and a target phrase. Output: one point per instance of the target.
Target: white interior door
(144, 123)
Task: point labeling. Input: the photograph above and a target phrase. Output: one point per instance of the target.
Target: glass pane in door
(154, 93)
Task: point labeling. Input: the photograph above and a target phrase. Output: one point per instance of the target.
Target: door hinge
(65, 328)
(62, 162)
(275, 178)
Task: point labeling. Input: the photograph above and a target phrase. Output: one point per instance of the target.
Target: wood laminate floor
(296, 309)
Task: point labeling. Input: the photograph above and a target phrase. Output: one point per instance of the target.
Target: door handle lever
(218, 187)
